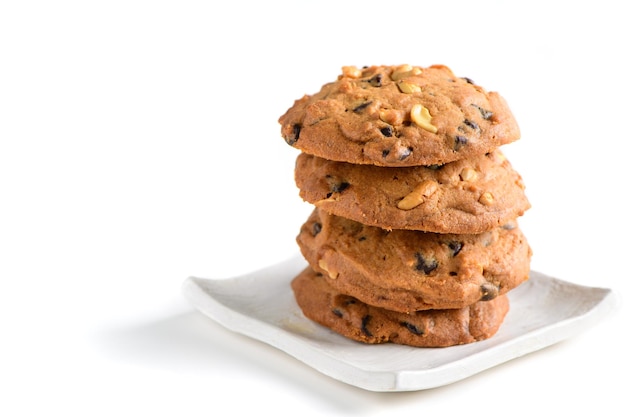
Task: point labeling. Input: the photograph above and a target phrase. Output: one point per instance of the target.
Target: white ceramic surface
(543, 311)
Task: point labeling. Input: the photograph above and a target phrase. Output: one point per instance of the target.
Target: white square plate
(261, 305)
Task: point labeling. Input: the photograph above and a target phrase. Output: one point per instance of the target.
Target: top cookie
(399, 116)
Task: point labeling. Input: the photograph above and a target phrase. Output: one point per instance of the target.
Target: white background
(139, 145)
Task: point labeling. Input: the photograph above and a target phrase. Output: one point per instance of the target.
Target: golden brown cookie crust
(399, 116)
(406, 270)
(472, 195)
(356, 320)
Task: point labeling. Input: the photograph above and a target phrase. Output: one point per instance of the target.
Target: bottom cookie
(356, 320)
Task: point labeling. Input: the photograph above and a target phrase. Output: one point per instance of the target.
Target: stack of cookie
(414, 237)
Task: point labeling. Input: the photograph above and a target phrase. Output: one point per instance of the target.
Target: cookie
(407, 270)
(399, 116)
(471, 195)
(356, 320)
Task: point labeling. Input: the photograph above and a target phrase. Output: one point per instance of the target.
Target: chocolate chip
(335, 186)
(459, 142)
(469, 80)
(387, 131)
(471, 124)
(425, 265)
(376, 80)
(361, 106)
(455, 247)
(295, 134)
(401, 154)
(509, 226)
(342, 303)
(486, 114)
(317, 227)
(489, 291)
(339, 187)
(364, 321)
(412, 328)
(405, 153)
(362, 238)
(337, 312)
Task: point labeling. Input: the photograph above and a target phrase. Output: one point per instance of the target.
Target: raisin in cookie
(472, 195)
(408, 270)
(399, 116)
(356, 320)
